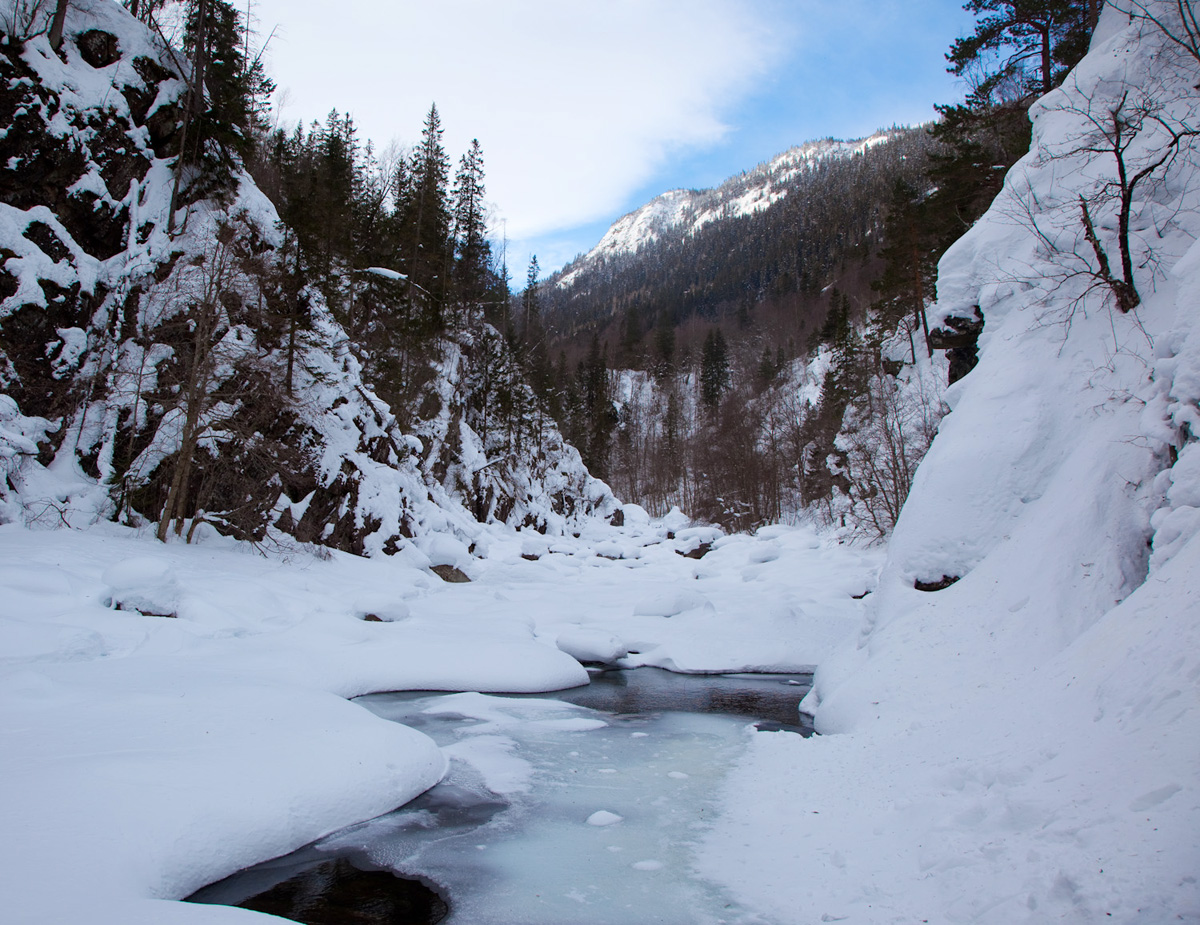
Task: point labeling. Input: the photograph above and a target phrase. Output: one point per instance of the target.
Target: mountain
(742, 323)
(174, 367)
(780, 229)
(679, 214)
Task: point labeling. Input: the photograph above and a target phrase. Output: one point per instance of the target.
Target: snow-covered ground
(1024, 745)
(145, 756)
(1020, 746)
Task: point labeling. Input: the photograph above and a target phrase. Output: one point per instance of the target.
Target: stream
(577, 807)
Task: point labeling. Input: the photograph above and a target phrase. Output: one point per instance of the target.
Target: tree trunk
(194, 104)
(177, 494)
(1047, 65)
(56, 27)
(291, 349)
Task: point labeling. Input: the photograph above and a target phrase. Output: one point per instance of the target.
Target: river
(580, 807)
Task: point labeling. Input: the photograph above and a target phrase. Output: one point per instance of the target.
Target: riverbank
(149, 755)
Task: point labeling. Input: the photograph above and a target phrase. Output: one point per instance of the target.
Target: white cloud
(576, 102)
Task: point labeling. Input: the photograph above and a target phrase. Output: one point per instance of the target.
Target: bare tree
(885, 435)
(204, 313)
(1175, 19)
(23, 19)
(1128, 137)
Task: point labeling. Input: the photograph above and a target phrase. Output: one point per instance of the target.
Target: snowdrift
(1021, 745)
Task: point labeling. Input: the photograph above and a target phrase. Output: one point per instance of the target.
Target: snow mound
(587, 645)
(143, 583)
(672, 603)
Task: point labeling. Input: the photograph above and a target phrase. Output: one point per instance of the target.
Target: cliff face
(147, 372)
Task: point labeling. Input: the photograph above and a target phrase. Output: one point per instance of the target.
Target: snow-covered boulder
(671, 603)
(146, 584)
(590, 645)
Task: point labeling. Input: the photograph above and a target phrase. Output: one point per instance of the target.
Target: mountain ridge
(745, 193)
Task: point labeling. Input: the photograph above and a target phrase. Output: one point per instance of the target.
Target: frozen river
(577, 807)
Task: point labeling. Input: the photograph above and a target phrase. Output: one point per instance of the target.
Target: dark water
(326, 891)
(340, 886)
(770, 698)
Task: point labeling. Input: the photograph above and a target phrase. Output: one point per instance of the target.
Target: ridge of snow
(682, 212)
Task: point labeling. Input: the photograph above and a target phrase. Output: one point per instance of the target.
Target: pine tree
(470, 228)
(978, 140)
(664, 347)
(229, 90)
(910, 268)
(1050, 35)
(535, 351)
(531, 303)
(714, 369)
(425, 221)
(595, 419)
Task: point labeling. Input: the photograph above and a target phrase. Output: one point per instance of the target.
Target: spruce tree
(425, 221)
(535, 351)
(714, 369)
(228, 90)
(470, 228)
(909, 270)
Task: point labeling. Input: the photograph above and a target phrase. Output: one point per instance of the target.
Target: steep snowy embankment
(1023, 745)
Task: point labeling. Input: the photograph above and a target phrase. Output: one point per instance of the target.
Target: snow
(149, 755)
(1020, 746)
(385, 273)
(680, 213)
(592, 646)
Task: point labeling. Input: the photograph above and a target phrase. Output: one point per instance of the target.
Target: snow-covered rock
(589, 645)
(95, 288)
(671, 603)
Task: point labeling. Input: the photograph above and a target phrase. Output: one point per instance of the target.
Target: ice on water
(600, 829)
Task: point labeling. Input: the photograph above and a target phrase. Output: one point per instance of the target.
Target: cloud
(576, 102)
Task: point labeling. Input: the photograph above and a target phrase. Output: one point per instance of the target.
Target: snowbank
(1021, 746)
(146, 756)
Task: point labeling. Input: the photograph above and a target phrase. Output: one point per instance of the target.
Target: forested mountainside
(172, 352)
(781, 228)
(744, 352)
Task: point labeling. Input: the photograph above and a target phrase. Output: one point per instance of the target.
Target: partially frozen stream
(555, 813)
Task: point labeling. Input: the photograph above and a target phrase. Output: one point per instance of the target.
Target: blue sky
(588, 108)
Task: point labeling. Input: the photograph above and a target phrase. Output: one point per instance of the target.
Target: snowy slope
(98, 326)
(1023, 745)
(680, 213)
